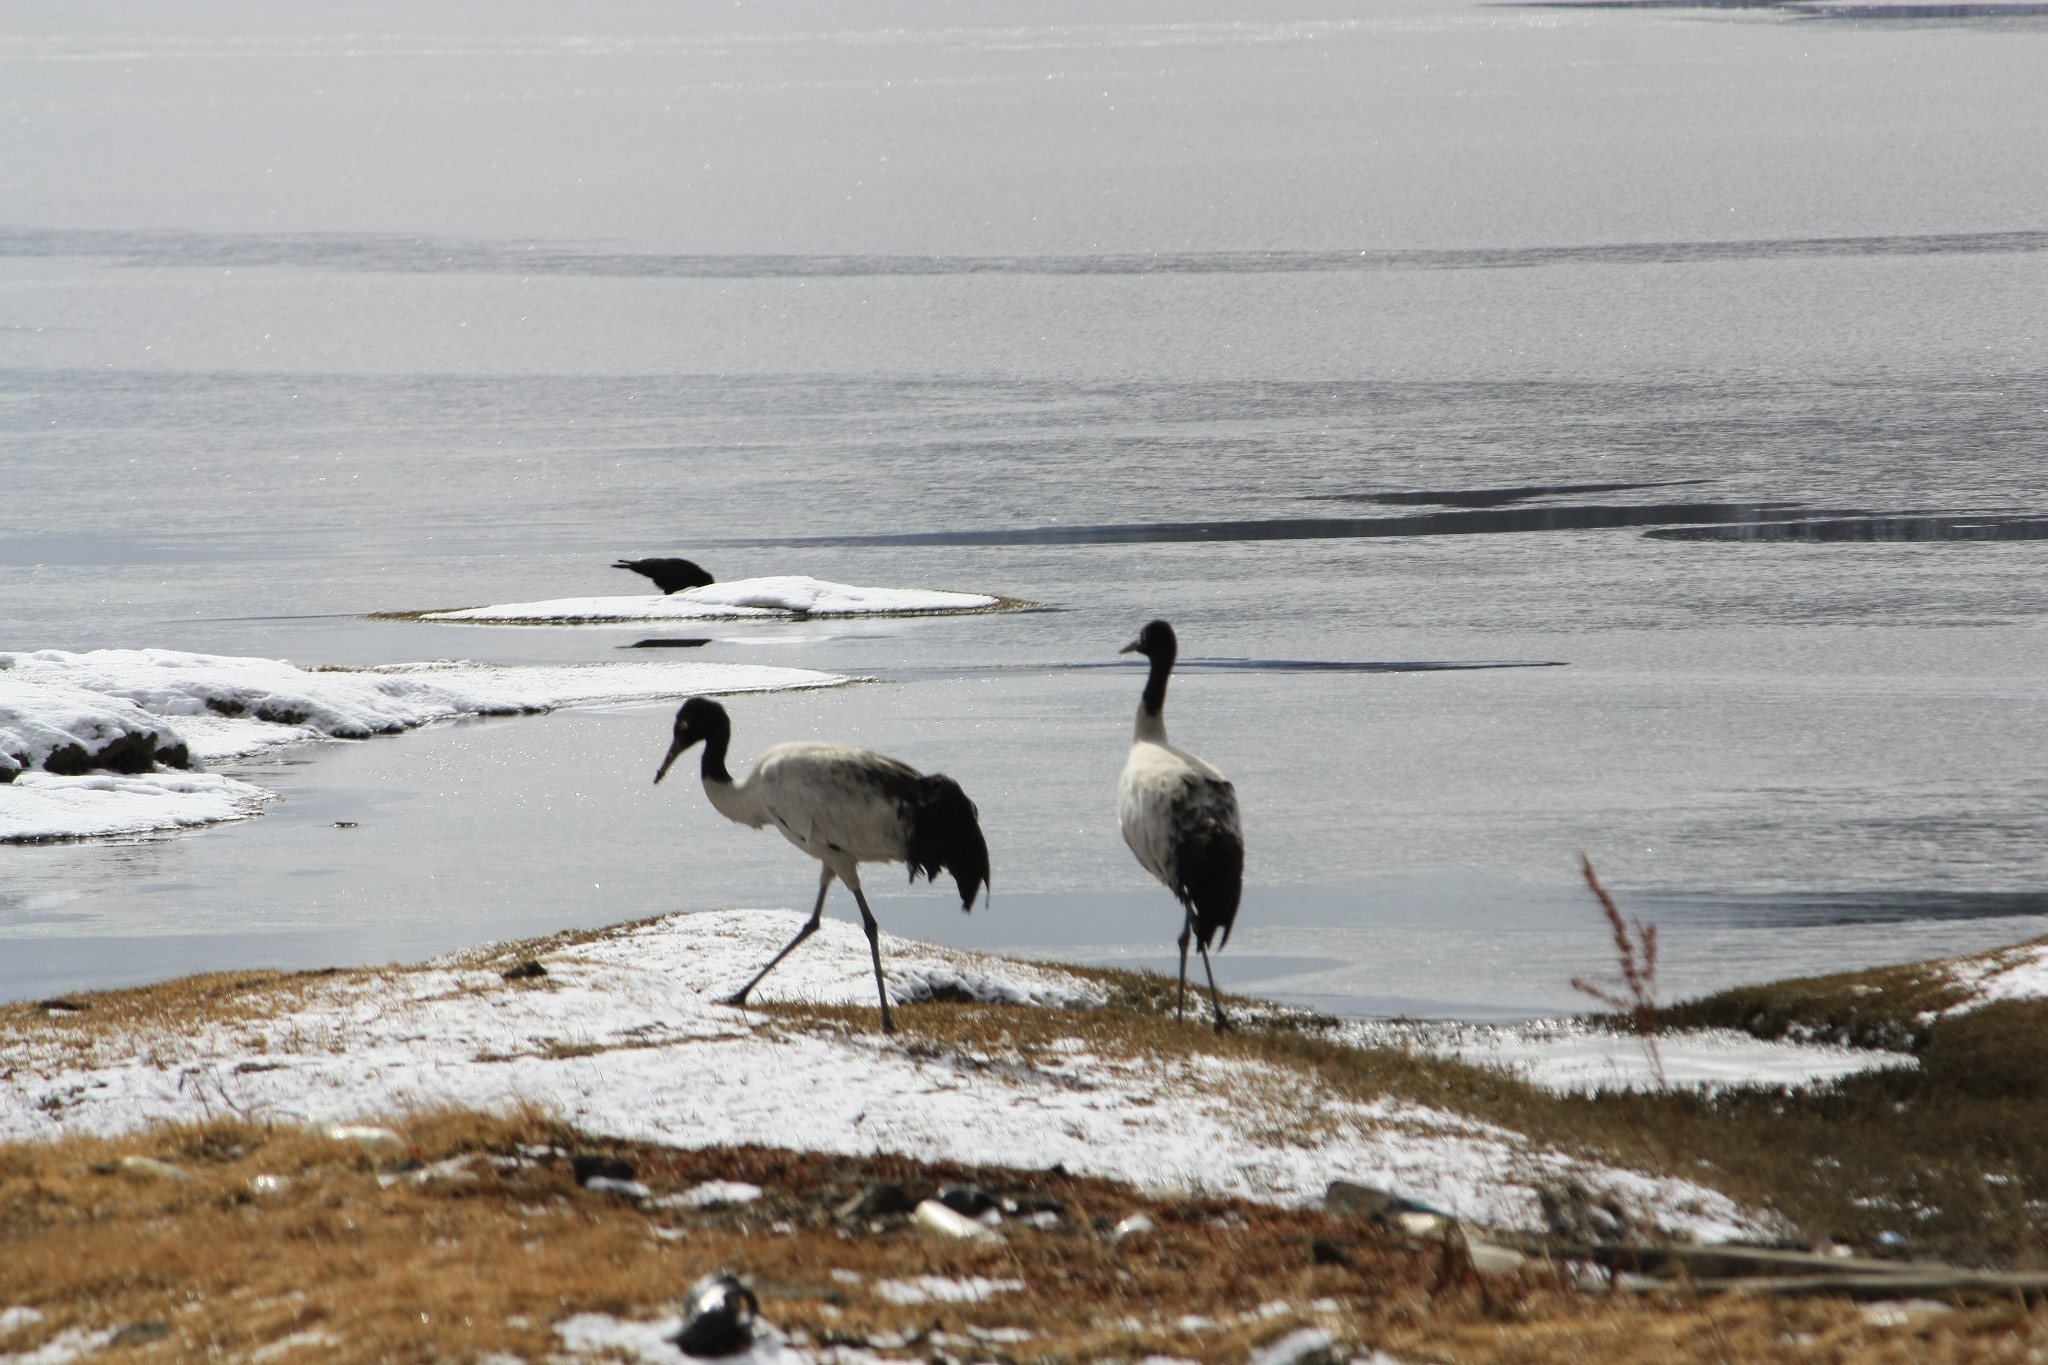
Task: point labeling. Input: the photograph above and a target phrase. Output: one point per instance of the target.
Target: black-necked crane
(1179, 815)
(843, 806)
(670, 575)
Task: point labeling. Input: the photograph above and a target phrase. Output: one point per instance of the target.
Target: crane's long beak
(1134, 647)
(675, 751)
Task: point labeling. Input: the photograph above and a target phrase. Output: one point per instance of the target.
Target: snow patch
(43, 807)
(717, 952)
(74, 729)
(1568, 1056)
(626, 1037)
(2016, 973)
(183, 707)
(602, 1336)
(73, 1343)
(740, 599)
(13, 1319)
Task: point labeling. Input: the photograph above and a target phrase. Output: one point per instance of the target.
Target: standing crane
(1179, 815)
(843, 806)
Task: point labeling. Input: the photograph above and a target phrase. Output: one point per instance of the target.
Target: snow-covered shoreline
(626, 1035)
(782, 596)
(101, 743)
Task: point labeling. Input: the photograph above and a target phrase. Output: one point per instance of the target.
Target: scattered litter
(455, 1170)
(150, 1167)
(1308, 1346)
(711, 1194)
(1133, 1226)
(369, 1134)
(1489, 1258)
(1899, 1312)
(269, 1184)
(936, 1216)
(718, 1317)
(624, 1189)
(310, 1339)
(940, 1289)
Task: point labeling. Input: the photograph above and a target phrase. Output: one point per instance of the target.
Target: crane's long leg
(1214, 999)
(867, 922)
(1187, 931)
(817, 913)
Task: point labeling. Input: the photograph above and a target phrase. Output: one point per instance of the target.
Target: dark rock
(525, 971)
(1323, 1251)
(589, 1165)
(718, 1318)
(138, 751)
(137, 1333)
(61, 1003)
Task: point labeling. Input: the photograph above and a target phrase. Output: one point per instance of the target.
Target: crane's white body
(1163, 795)
(833, 801)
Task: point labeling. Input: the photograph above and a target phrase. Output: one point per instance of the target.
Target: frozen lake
(1696, 356)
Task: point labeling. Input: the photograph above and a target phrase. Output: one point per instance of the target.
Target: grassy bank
(465, 1233)
(471, 1236)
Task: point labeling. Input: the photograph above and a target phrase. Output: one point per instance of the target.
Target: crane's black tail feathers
(945, 832)
(1210, 863)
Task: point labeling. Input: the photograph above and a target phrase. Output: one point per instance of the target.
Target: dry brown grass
(400, 1270)
(358, 1268)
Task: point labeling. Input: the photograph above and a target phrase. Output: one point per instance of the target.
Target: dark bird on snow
(670, 575)
(1179, 815)
(843, 806)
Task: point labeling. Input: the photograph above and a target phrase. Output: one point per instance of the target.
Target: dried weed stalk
(1635, 953)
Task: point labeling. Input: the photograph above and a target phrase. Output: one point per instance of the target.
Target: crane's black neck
(717, 739)
(1154, 701)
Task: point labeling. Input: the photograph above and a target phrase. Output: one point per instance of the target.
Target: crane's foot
(740, 999)
(1224, 1025)
(888, 1024)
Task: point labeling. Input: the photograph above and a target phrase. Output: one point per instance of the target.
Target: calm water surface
(1697, 356)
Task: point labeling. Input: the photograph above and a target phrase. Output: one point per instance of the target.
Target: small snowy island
(786, 596)
(108, 742)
